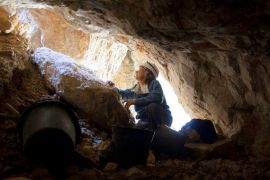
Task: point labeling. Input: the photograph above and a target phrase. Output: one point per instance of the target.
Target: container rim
(69, 110)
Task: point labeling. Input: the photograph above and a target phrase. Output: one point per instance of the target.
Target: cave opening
(180, 117)
(111, 70)
(114, 61)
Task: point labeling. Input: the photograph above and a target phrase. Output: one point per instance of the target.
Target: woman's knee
(158, 114)
(153, 107)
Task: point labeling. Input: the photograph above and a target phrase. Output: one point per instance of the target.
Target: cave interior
(213, 57)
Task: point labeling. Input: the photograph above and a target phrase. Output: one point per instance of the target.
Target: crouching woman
(148, 98)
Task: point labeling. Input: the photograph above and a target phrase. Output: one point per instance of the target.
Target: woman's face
(139, 74)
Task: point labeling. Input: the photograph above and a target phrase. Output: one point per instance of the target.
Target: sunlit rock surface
(5, 24)
(80, 87)
(45, 26)
(214, 53)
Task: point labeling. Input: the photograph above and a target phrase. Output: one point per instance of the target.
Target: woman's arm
(155, 95)
(127, 94)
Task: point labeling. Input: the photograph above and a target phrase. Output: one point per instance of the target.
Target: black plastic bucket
(49, 131)
(168, 141)
(130, 145)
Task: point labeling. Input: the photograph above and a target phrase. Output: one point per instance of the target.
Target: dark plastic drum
(49, 132)
(130, 145)
(168, 141)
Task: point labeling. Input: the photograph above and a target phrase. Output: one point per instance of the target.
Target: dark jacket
(155, 95)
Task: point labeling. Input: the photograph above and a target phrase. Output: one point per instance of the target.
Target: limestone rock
(151, 159)
(85, 175)
(124, 77)
(40, 173)
(73, 169)
(5, 23)
(18, 178)
(221, 148)
(104, 56)
(103, 146)
(36, 24)
(134, 172)
(104, 149)
(111, 167)
(81, 88)
(12, 57)
(20, 82)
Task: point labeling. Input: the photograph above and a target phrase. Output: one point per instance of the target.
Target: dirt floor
(86, 164)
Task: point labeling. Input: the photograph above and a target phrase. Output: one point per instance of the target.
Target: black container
(130, 145)
(168, 141)
(48, 131)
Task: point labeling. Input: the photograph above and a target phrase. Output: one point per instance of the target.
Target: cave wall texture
(215, 53)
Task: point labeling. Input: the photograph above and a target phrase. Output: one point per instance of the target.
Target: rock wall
(20, 81)
(4, 20)
(80, 87)
(59, 29)
(221, 64)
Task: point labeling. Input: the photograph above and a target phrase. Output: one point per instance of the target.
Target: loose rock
(111, 167)
(134, 172)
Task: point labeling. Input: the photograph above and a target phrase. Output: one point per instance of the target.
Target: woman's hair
(149, 76)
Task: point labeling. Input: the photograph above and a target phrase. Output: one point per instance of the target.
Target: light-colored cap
(151, 67)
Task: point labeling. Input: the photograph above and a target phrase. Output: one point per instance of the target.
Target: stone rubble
(111, 167)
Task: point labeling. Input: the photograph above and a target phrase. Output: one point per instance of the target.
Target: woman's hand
(110, 83)
(129, 102)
